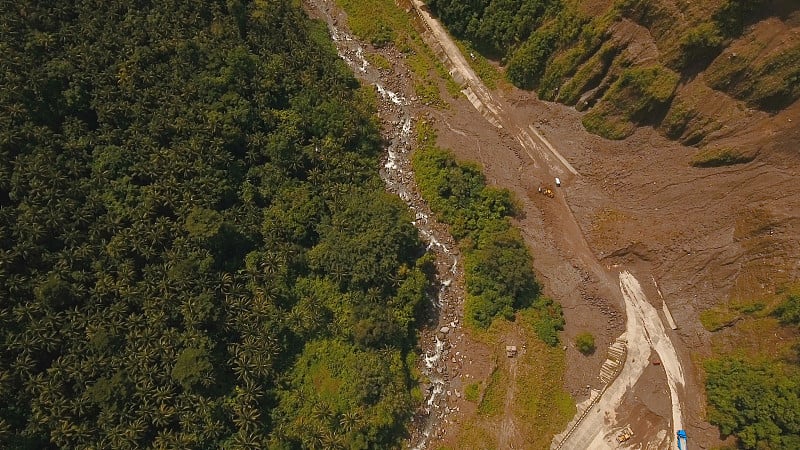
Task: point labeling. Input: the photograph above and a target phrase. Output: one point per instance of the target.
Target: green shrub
(203, 223)
(603, 123)
(527, 64)
(109, 393)
(677, 119)
(769, 84)
(472, 392)
(376, 29)
(56, 293)
(585, 343)
(643, 90)
(494, 396)
(547, 319)
(496, 27)
(574, 50)
(589, 75)
(775, 82)
(638, 96)
(789, 311)
(394, 26)
(378, 60)
(756, 401)
(498, 271)
(732, 17)
(720, 156)
(499, 276)
(563, 65)
(458, 193)
(192, 368)
(699, 45)
(749, 307)
(487, 72)
(360, 396)
(724, 73)
(717, 318)
(382, 36)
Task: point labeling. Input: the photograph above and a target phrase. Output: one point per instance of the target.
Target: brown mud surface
(703, 236)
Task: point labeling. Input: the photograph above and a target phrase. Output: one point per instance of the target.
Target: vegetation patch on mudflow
(721, 156)
(752, 387)
(196, 250)
(501, 287)
(540, 406)
(498, 267)
(584, 342)
(566, 54)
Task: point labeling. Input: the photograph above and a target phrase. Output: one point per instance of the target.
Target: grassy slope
(749, 330)
(396, 27)
(749, 337)
(540, 407)
(690, 43)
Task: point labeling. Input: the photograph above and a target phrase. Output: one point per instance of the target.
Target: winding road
(645, 330)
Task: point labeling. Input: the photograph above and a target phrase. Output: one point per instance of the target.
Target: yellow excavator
(546, 190)
(626, 434)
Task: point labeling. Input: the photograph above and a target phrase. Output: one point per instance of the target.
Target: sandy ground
(704, 234)
(629, 207)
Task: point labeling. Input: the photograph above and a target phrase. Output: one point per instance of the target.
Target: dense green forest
(758, 401)
(498, 268)
(195, 248)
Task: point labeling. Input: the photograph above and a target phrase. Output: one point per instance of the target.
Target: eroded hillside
(720, 75)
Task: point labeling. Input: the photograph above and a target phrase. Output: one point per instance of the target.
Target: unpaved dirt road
(644, 333)
(707, 236)
(645, 330)
(485, 101)
(509, 434)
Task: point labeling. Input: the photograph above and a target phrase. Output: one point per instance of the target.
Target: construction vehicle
(682, 438)
(626, 434)
(546, 190)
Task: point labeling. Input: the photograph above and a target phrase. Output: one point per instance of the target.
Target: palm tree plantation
(196, 250)
(223, 224)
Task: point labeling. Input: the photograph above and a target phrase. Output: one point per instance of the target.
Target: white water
(387, 94)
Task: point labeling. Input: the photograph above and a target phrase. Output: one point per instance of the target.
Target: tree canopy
(498, 268)
(193, 233)
(759, 402)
